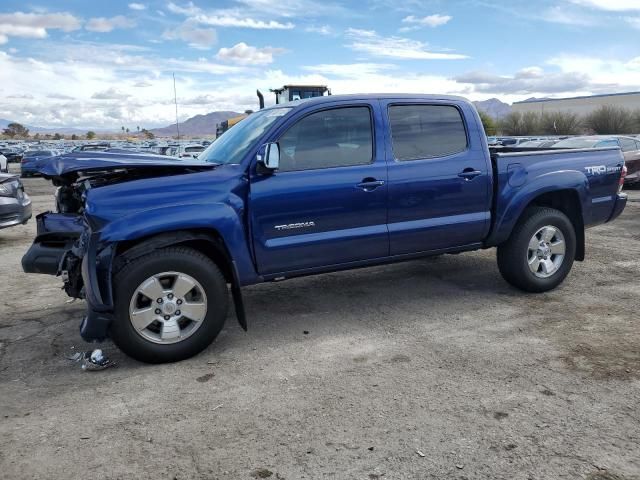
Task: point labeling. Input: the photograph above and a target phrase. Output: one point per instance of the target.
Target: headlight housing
(9, 189)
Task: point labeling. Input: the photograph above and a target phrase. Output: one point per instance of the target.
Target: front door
(327, 203)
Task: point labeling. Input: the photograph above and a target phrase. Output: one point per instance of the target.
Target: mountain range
(494, 108)
(200, 125)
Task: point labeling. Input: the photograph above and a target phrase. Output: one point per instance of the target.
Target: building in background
(579, 105)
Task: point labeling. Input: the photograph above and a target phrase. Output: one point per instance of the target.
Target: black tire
(177, 259)
(512, 255)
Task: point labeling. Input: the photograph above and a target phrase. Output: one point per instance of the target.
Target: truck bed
(591, 177)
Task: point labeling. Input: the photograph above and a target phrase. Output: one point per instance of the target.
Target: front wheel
(540, 251)
(170, 305)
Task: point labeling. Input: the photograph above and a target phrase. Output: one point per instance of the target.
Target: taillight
(623, 173)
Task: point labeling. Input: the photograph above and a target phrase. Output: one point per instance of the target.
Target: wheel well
(206, 241)
(568, 202)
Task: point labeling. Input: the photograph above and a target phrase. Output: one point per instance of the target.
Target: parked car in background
(31, 158)
(14, 155)
(4, 164)
(190, 151)
(15, 205)
(92, 147)
(537, 144)
(630, 147)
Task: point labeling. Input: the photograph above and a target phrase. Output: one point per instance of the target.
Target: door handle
(469, 173)
(369, 184)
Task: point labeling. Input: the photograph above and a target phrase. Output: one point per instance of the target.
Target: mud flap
(237, 298)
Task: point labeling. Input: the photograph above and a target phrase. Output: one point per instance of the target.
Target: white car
(4, 164)
(190, 151)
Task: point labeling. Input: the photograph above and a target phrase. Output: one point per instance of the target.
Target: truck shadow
(353, 296)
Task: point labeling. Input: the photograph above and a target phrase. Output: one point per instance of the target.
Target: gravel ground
(427, 369)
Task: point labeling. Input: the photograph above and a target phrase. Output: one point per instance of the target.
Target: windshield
(193, 149)
(576, 143)
(234, 144)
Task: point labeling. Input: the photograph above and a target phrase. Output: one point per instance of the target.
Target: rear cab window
(426, 131)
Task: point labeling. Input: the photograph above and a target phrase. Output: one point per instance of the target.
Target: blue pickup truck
(154, 245)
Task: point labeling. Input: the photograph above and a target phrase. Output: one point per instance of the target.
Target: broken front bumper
(65, 246)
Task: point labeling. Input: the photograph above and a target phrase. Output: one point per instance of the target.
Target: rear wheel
(170, 305)
(540, 252)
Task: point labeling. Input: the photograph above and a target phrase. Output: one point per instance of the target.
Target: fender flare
(516, 201)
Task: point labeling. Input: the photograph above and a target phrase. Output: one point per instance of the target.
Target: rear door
(439, 176)
(327, 204)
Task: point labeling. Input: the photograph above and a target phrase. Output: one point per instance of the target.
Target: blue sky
(105, 64)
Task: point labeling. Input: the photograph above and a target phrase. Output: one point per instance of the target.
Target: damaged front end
(68, 241)
(66, 247)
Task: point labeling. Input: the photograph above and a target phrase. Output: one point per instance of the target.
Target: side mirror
(269, 156)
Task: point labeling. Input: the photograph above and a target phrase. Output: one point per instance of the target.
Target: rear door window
(426, 131)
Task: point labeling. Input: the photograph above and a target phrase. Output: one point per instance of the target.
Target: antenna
(175, 99)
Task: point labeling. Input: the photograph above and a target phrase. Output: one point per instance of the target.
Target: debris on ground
(92, 360)
(420, 453)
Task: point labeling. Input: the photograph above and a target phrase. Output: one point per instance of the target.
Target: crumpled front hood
(68, 168)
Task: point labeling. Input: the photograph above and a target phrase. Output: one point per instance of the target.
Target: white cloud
(349, 70)
(244, 22)
(368, 41)
(634, 22)
(34, 25)
(110, 94)
(137, 6)
(227, 17)
(322, 29)
(528, 81)
(428, 21)
(610, 5)
(244, 54)
(188, 31)
(188, 9)
(103, 24)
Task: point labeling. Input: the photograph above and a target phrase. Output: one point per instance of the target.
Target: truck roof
(370, 96)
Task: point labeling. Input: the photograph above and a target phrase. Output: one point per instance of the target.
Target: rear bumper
(14, 211)
(618, 207)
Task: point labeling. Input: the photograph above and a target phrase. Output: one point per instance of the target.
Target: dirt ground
(434, 368)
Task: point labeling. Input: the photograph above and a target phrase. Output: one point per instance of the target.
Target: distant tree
(47, 135)
(127, 130)
(74, 137)
(122, 128)
(609, 119)
(560, 123)
(138, 127)
(16, 130)
(91, 135)
(488, 123)
(147, 134)
(521, 124)
(36, 136)
(57, 136)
